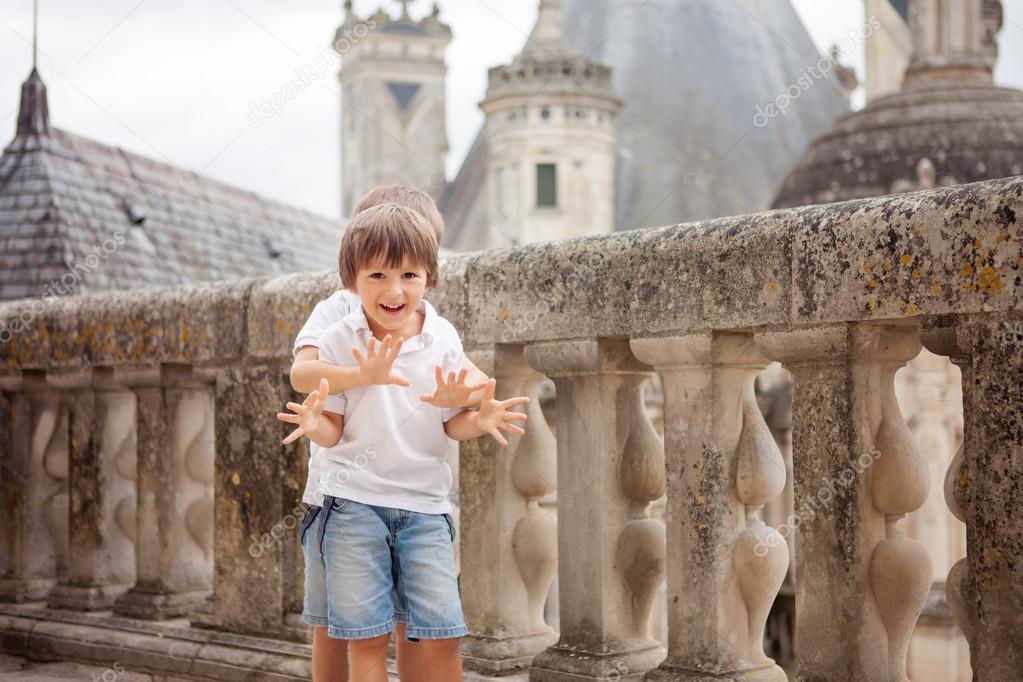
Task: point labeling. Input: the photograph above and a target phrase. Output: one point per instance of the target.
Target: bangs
(387, 236)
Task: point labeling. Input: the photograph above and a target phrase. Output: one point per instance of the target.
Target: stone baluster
(982, 488)
(509, 543)
(725, 564)
(249, 592)
(603, 601)
(174, 552)
(102, 456)
(34, 488)
(860, 584)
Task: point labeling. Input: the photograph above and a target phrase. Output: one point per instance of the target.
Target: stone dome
(947, 126)
(968, 131)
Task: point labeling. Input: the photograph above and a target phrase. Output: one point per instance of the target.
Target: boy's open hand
(307, 415)
(452, 393)
(375, 368)
(496, 415)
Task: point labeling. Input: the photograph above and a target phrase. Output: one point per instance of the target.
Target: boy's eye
(410, 275)
(377, 275)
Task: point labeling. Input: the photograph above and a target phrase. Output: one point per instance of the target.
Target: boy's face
(391, 296)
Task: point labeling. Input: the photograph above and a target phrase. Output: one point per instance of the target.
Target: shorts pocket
(307, 520)
(451, 526)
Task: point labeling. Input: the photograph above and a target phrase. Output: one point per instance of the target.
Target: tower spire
(548, 34)
(35, 33)
(34, 113)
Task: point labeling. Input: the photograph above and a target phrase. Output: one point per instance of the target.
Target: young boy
(330, 662)
(380, 552)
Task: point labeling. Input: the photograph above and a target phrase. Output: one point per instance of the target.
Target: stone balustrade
(143, 480)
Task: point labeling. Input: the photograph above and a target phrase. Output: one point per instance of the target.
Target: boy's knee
(372, 645)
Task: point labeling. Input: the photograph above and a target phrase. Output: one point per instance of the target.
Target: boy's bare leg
(330, 657)
(439, 660)
(367, 659)
(408, 657)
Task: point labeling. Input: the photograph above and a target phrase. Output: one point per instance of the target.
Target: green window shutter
(546, 185)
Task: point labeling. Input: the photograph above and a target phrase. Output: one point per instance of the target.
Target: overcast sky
(175, 79)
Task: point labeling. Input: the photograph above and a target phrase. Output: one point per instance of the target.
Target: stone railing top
(949, 251)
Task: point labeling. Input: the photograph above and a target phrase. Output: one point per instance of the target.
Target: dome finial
(547, 35)
(950, 41)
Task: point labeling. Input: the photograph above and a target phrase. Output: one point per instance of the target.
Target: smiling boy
(381, 550)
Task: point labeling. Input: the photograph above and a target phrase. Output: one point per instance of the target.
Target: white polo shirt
(392, 450)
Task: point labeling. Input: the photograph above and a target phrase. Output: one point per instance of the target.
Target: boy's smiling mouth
(392, 309)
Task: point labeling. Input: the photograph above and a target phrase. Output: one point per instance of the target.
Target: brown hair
(409, 197)
(389, 233)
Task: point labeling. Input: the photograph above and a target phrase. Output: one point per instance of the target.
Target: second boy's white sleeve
(325, 313)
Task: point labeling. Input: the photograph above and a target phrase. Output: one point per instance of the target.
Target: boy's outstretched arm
(375, 368)
(322, 428)
(493, 416)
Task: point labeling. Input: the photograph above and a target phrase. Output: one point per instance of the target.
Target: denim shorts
(368, 567)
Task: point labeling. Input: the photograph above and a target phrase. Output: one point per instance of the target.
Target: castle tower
(392, 111)
(551, 143)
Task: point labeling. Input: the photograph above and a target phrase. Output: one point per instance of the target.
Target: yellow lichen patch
(915, 274)
(906, 259)
(502, 314)
(872, 304)
(963, 479)
(989, 281)
(1003, 236)
(184, 335)
(872, 283)
(279, 326)
(701, 499)
(236, 479)
(887, 265)
(773, 287)
(865, 268)
(968, 270)
(912, 309)
(935, 289)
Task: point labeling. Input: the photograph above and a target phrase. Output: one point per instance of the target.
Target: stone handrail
(150, 412)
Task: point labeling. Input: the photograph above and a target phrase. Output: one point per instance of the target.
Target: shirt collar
(357, 321)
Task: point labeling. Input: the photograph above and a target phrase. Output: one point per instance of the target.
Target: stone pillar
(611, 555)
(248, 582)
(983, 489)
(860, 584)
(174, 553)
(33, 488)
(102, 492)
(509, 544)
(725, 564)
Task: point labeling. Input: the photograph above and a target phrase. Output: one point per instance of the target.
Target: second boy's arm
(493, 416)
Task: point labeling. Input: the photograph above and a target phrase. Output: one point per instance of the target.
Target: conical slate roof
(79, 216)
(692, 74)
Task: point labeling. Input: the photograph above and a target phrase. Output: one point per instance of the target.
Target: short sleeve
(325, 313)
(336, 403)
(331, 350)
